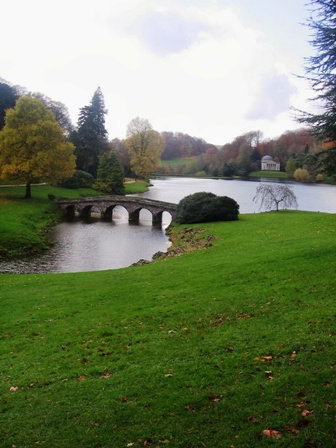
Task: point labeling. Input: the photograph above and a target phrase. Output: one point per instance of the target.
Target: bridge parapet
(105, 204)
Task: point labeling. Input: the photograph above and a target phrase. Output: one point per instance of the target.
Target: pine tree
(320, 71)
(91, 137)
(110, 175)
(8, 99)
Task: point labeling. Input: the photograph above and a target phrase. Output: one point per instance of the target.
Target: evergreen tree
(8, 99)
(91, 137)
(110, 175)
(320, 71)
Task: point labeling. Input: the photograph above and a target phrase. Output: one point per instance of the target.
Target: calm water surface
(99, 245)
(314, 197)
(96, 245)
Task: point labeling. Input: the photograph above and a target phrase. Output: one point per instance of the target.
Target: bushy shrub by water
(206, 207)
(80, 179)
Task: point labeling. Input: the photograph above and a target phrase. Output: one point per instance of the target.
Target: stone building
(268, 164)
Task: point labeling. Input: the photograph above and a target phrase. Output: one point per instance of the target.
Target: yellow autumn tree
(144, 147)
(33, 147)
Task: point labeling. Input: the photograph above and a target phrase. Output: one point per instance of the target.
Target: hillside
(224, 346)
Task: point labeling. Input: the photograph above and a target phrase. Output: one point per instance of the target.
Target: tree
(301, 175)
(91, 137)
(110, 175)
(144, 146)
(59, 110)
(8, 99)
(272, 195)
(79, 179)
(120, 148)
(206, 207)
(32, 145)
(290, 166)
(320, 71)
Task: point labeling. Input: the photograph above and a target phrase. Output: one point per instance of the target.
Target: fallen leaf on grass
(130, 444)
(215, 398)
(306, 412)
(292, 429)
(94, 423)
(301, 404)
(81, 377)
(122, 399)
(168, 375)
(189, 408)
(292, 358)
(13, 389)
(272, 433)
(107, 374)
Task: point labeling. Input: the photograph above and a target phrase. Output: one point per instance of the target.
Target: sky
(213, 69)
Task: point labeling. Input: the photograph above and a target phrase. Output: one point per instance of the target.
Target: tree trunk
(28, 190)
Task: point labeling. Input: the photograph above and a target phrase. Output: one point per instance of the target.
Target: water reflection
(94, 245)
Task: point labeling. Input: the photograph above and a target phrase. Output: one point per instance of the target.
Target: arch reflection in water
(94, 245)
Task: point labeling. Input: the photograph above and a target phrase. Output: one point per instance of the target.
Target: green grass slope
(215, 348)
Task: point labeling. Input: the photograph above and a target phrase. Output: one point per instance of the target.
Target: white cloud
(193, 67)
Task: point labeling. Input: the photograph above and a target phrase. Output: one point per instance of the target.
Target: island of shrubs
(206, 207)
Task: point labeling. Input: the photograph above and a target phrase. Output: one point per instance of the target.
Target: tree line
(38, 140)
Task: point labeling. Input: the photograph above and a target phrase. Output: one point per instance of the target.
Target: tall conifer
(91, 136)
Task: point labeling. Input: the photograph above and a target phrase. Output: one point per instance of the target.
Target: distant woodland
(176, 153)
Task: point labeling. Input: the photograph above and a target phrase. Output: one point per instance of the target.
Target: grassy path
(215, 348)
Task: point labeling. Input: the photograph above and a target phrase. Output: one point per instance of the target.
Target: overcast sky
(212, 69)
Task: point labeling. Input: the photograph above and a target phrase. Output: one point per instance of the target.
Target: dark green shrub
(80, 179)
(206, 207)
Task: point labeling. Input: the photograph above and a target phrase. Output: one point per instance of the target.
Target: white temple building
(268, 164)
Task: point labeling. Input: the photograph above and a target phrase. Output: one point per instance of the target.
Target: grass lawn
(138, 186)
(269, 174)
(180, 164)
(221, 347)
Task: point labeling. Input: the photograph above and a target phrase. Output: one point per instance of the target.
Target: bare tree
(271, 195)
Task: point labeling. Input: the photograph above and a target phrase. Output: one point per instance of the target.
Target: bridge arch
(105, 205)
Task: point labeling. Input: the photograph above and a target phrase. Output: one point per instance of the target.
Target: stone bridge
(83, 207)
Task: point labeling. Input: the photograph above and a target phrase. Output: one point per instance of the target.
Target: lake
(99, 245)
